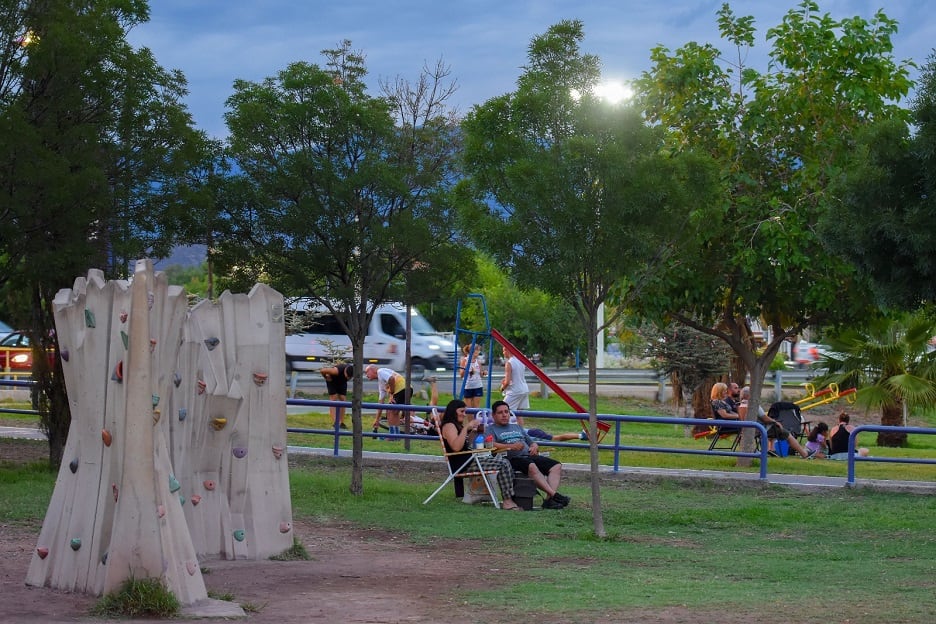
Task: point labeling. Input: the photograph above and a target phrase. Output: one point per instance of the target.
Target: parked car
(5, 330)
(15, 353)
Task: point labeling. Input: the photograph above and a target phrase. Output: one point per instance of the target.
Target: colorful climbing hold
(125, 339)
(285, 527)
(201, 386)
(260, 378)
(106, 436)
(209, 484)
(173, 484)
(176, 379)
(42, 551)
(277, 451)
(73, 465)
(89, 318)
(182, 413)
(239, 452)
(65, 354)
(212, 342)
(75, 543)
(196, 499)
(118, 372)
(218, 423)
(239, 535)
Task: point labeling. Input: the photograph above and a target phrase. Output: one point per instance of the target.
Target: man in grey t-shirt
(523, 454)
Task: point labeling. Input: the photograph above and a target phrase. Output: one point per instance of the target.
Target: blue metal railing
(854, 457)
(616, 448)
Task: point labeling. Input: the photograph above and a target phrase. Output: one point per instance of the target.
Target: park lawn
(705, 548)
(704, 551)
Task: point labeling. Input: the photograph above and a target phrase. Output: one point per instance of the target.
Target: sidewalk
(801, 482)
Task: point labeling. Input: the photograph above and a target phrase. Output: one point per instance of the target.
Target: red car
(16, 353)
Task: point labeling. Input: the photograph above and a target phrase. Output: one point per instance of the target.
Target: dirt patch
(354, 575)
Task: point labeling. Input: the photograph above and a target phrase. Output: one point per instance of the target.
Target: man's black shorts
(337, 385)
(522, 464)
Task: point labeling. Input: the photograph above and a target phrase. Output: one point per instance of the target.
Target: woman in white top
(514, 385)
(474, 385)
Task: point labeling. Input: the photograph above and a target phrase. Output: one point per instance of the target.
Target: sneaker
(342, 426)
(552, 503)
(772, 454)
(562, 499)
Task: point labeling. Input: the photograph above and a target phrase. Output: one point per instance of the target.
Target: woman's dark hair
(451, 413)
(844, 417)
(814, 433)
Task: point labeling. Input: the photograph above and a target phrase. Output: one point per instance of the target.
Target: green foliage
(533, 320)
(95, 146)
(890, 362)
(341, 196)
(194, 279)
(886, 218)
(781, 138)
(138, 598)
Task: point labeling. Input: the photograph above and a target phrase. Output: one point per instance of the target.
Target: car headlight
(434, 347)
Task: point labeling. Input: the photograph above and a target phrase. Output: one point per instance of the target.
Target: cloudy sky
(215, 42)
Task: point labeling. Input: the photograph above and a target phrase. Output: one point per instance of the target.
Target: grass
(701, 551)
(138, 598)
(702, 547)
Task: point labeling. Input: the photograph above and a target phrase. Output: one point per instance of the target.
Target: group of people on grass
(730, 402)
(514, 448)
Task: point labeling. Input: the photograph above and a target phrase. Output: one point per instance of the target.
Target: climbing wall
(170, 409)
(229, 439)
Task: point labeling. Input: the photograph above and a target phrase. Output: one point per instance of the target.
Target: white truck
(322, 338)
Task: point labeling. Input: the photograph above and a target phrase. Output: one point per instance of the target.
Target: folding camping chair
(790, 417)
(468, 465)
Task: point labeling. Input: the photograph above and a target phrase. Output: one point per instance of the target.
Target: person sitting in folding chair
(776, 431)
(722, 409)
(458, 436)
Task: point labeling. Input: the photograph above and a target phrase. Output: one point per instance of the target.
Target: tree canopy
(339, 196)
(781, 137)
(570, 193)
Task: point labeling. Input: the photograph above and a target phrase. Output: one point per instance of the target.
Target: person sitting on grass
(523, 453)
(816, 441)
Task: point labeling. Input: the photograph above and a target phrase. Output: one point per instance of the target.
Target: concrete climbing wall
(229, 438)
(176, 446)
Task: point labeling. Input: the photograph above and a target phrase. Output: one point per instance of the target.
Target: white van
(385, 345)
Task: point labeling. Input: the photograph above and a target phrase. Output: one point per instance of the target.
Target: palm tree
(891, 364)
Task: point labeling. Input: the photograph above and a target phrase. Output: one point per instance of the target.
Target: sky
(484, 42)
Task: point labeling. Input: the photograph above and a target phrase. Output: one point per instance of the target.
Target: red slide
(603, 427)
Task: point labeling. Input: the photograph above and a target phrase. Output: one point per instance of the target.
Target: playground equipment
(166, 402)
(828, 394)
(491, 335)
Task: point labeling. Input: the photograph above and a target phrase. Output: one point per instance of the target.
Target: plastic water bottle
(489, 441)
(479, 441)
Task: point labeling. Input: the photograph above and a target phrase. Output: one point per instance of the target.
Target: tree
(533, 320)
(693, 359)
(781, 138)
(340, 196)
(886, 218)
(891, 364)
(92, 135)
(570, 193)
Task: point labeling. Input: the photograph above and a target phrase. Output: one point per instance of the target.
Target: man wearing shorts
(336, 381)
(392, 388)
(523, 454)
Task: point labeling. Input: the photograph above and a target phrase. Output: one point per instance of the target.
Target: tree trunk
(54, 413)
(892, 416)
(702, 404)
(357, 395)
(597, 513)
